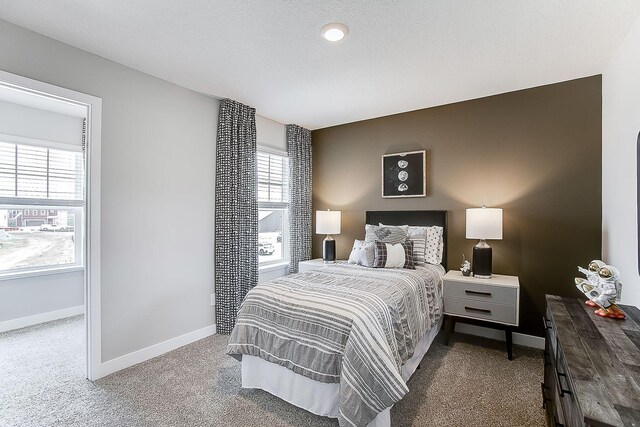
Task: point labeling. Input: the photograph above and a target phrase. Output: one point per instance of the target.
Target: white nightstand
(495, 300)
(311, 264)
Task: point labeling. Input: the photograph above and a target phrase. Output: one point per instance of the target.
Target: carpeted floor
(470, 383)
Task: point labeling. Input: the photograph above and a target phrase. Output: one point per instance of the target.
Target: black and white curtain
(236, 211)
(299, 151)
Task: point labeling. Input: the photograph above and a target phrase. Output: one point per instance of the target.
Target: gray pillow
(386, 234)
(362, 253)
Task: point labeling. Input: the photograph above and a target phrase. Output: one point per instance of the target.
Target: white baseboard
(497, 334)
(21, 322)
(142, 355)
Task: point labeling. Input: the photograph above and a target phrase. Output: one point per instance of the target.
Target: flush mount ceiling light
(334, 32)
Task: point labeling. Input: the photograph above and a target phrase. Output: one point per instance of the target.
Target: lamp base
(482, 260)
(329, 250)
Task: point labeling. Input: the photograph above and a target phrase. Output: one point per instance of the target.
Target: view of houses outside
(270, 235)
(36, 238)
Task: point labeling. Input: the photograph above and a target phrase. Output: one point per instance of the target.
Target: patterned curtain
(299, 151)
(236, 211)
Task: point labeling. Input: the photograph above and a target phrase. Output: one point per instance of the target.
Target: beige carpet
(470, 383)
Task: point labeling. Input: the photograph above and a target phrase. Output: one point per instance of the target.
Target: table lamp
(483, 223)
(328, 222)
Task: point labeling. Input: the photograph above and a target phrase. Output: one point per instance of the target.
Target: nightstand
(311, 264)
(495, 300)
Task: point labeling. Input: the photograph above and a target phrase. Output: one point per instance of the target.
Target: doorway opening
(50, 219)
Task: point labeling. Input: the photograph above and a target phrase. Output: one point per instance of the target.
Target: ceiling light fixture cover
(335, 31)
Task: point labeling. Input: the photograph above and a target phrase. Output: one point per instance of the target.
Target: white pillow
(362, 253)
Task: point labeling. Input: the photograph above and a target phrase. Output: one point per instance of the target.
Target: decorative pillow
(399, 255)
(428, 243)
(435, 245)
(386, 234)
(418, 235)
(362, 253)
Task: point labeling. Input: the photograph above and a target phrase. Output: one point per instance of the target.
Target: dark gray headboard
(438, 218)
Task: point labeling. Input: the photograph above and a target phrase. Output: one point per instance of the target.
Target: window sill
(273, 267)
(40, 272)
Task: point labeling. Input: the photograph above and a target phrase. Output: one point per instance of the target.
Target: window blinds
(273, 180)
(39, 175)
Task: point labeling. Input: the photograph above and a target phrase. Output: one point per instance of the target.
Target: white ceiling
(400, 55)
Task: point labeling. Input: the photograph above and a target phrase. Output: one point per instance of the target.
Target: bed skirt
(314, 396)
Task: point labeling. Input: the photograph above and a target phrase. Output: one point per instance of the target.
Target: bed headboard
(438, 218)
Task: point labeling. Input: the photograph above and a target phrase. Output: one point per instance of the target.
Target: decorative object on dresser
(328, 222)
(495, 300)
(591, 374)
(404, 174)
(483, 223)
(603, 288)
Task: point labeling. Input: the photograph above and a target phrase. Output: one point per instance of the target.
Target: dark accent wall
(536, 153)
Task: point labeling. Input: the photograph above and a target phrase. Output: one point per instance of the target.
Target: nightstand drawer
(480, 292)
(482, 310)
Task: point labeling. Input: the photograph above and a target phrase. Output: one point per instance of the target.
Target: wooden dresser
(592, 366)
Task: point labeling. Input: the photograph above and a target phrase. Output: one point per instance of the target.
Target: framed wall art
(404, 174)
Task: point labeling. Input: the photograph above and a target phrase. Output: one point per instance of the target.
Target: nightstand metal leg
(507, 333)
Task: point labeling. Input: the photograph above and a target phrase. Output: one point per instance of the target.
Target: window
(49, 181)
(273, 193)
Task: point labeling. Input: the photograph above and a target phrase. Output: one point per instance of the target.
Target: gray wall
(535, 153)
(29, 296)
(158, 155)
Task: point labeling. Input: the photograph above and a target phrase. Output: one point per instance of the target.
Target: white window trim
(267, 266)
(270, 150)
(35, 272)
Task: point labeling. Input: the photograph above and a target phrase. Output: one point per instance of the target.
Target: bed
(342, 341)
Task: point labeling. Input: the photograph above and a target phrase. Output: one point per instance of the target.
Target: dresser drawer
(480, 292)
(483, 310)
(570, 409)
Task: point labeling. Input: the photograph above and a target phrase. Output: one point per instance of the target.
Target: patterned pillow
(399, 255)
(386, 234)
(428, 243)
(435, 245)
(418, 235)
(362, 253)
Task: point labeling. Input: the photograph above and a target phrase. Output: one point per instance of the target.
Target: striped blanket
(343, 324)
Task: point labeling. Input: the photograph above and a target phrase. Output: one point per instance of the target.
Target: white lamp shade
(484, 223)
(328, 222)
